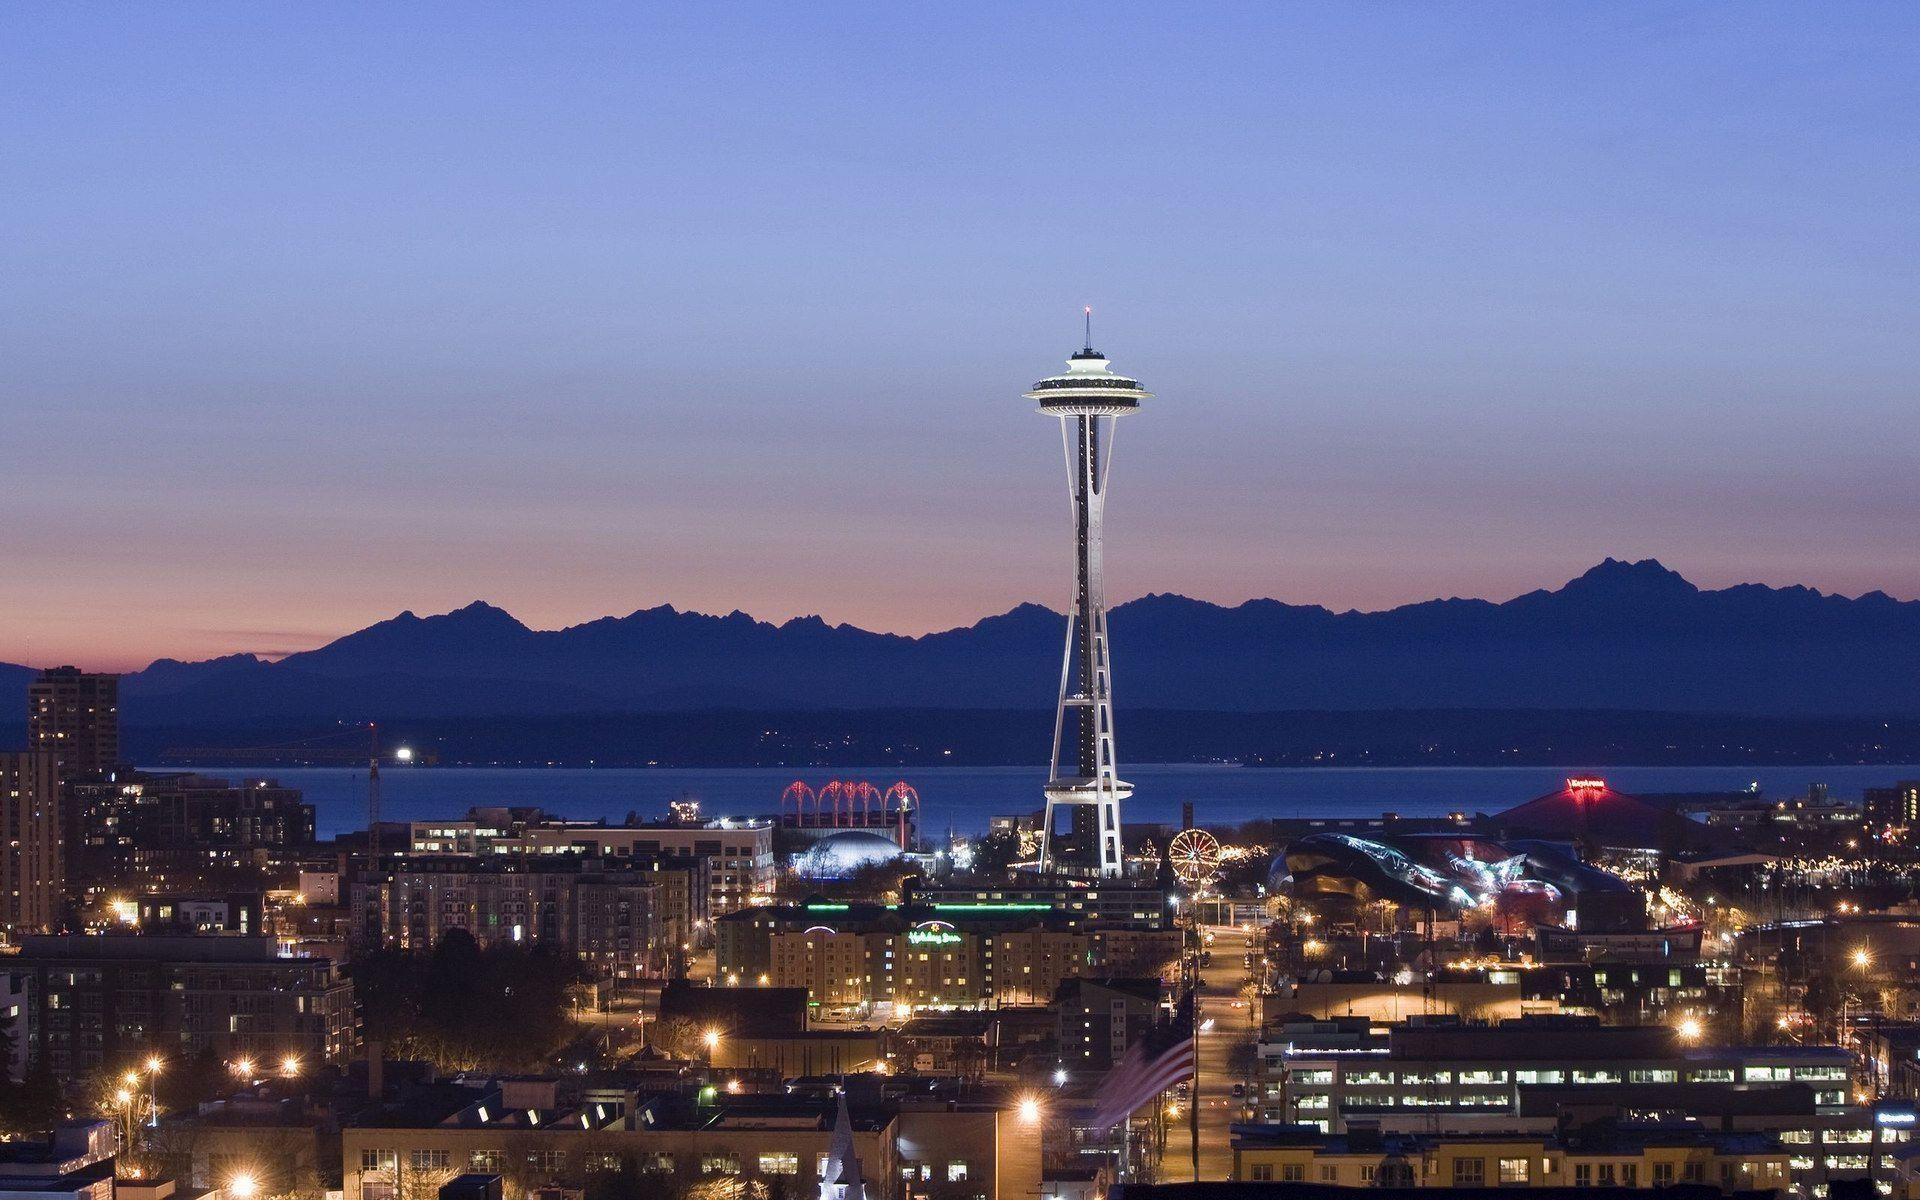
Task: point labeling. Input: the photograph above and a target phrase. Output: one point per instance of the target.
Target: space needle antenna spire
(1083, 778)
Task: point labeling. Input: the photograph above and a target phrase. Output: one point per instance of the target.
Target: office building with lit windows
(1495, 1071)
(32, 854)
(738, 854)
(75, 716)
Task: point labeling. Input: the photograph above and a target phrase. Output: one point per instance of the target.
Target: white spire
(840, 1178)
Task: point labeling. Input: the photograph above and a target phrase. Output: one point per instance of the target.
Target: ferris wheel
(1195, 855)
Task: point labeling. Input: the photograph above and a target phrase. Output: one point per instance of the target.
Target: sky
(313, 313)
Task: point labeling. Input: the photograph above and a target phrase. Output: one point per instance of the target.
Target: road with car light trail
(1224, 1024)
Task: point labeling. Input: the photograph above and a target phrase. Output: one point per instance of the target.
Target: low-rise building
(280, 1145)
(74, 1162)
(1429, 1069)
(542, 1136)
(536, 1137)
(1654, 1158)
(1099, 1018)
(104, 1000)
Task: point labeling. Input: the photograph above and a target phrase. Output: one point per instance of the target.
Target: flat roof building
(32, 850)
(101, 1000)
(739, 853)
(75, 716)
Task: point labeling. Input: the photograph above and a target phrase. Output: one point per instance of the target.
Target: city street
(1219, 1107)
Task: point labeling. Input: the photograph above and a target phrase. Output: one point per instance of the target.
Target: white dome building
(839, 855)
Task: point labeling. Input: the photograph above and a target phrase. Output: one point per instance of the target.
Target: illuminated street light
(243, 1186)
(1060, 1077)
(1862, 958)
(290, 1066)
(123, 1097)
(154, 1063)
(1030, 1110)
(1690, 1029)
(713, 1040)
(243, 1067)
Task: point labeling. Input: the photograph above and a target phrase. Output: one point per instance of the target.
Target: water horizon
(965, 798)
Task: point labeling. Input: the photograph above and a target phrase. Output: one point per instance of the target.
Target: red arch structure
(850, 804)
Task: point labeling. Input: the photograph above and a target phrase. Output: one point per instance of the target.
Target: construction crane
(373, 793)
(314, 751)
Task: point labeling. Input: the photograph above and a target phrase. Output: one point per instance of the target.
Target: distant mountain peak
(1648, 577)
(480, 610)
(1631, 635)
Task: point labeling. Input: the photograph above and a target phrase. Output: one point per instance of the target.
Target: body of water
(965, 797)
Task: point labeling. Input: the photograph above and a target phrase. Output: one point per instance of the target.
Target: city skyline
(314, 319)
(535, 590)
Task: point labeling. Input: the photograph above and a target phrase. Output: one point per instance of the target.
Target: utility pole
(373, 793)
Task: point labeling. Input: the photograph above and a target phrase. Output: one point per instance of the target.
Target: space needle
(1083, 777)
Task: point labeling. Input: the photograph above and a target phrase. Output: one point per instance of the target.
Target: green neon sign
(933, 937)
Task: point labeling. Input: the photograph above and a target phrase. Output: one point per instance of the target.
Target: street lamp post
(154, 1063)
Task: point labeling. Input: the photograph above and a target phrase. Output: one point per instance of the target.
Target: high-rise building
(32, 867)
(1894, 807)
(1083, 778)
(76, 716)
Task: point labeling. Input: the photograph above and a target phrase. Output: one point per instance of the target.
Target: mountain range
(1623, 636)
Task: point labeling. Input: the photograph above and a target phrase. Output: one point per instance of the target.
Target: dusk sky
(313, 313)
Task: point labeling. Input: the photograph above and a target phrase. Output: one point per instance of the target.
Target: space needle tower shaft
(1083, 779)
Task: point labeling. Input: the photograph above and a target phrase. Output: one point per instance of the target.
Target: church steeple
(840, 1179)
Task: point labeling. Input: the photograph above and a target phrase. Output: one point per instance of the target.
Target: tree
(995, 854)
(1824, 997)
(35, 1103)
(675, 1037)
(462, 1007)
(410, 1182)
(627, 1183)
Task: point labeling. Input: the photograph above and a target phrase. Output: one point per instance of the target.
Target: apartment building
(739, 854)
(105, 1000)
(627, 917)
